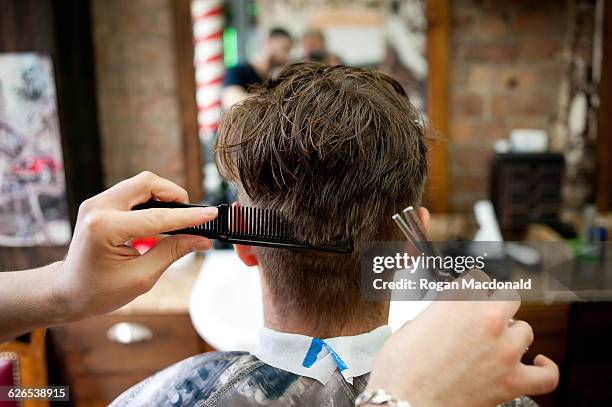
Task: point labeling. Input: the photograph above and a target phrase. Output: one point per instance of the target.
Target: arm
(24, 308)
(101, 273)
(463, 353)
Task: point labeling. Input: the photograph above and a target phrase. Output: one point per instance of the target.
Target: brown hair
(337, 150)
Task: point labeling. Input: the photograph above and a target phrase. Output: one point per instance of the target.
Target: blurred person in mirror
(274, 54)
(314, 48)
(337, 150)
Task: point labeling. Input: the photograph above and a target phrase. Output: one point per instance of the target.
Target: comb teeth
(243, 222)
(249, 226)
(252, 222)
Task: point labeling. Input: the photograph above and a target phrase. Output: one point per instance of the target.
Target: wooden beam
(437, 12)
(77, 108)
(603, 187)
(185, 76)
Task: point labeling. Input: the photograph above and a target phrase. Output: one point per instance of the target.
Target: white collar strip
(318, 359)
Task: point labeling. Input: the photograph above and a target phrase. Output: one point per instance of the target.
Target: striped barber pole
(208, 59)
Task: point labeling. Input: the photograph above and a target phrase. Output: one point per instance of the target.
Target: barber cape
(286, 370)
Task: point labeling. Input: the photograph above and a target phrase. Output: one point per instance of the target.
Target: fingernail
(210, 211)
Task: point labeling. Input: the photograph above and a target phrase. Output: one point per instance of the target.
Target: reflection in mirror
(241, 43)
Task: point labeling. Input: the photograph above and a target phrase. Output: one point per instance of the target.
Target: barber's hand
(463, 353)
(100, 272)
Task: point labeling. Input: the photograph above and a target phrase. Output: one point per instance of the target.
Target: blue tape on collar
(339, 362)
(316, 345)
(311, 356)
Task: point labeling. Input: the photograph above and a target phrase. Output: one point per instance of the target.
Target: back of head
(337, 150)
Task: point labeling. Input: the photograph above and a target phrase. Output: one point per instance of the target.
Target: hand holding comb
(247, 226)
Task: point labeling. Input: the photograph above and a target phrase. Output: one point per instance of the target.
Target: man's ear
(424, 217)
(246, 254)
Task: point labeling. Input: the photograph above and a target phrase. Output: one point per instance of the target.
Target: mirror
(389, 35)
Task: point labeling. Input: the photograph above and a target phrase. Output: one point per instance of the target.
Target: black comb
(246, 225)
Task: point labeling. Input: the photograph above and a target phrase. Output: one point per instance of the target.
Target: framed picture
(33, 205)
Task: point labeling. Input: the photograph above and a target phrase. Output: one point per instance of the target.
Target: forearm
(27, 301)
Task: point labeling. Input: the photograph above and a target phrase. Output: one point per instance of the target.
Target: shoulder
(188, 381)
(241, 75)
(266, 385)
(520, 402)
(236, 75)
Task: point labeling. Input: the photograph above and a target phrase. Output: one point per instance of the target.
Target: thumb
(169, 250)
(541, 378)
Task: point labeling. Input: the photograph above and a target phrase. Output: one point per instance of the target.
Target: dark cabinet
(526, 188)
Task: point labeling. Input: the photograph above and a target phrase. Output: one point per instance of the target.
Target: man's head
(338, 151)
(278, 47)
(313, 42)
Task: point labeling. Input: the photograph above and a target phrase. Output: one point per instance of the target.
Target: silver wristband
(379, 397)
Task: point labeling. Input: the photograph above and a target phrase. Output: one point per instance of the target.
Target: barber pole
(208, 59)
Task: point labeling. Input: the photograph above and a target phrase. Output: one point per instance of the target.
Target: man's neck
(300, 327)
(280, 320)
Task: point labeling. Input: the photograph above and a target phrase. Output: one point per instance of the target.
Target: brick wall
(506, 68)
(137, 89)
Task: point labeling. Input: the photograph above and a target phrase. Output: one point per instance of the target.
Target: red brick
(145, 20)
(516, 78)
(481, 77)
(138, 105)
(155, 81)
(461, 130)
(489, 52)
(483, 133)
(474, 184)
(462, 202)
(541, 17)
(492, 24)
(466, 105)
(510, 54)
(469, 159)
(530, 122)
(463, 20)
(540, 48)
(523, 104)
(153, 53)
